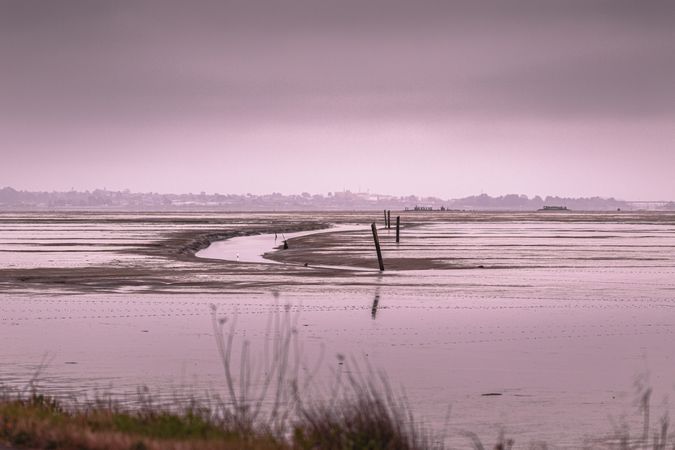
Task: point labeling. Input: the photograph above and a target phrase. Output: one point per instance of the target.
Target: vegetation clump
(372, 422)
(42, 422)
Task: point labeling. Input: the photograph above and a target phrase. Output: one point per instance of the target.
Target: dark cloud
(133, 61)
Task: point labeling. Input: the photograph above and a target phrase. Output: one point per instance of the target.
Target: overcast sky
(446, 98)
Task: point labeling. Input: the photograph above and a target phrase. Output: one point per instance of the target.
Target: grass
(366, 415)
(362, 417)
(41, 422)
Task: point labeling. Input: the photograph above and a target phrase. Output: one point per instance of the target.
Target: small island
(553, 208)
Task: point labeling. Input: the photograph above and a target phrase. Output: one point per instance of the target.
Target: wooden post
(389, 220)
(398, 229)
(377, 246)
(385, 218)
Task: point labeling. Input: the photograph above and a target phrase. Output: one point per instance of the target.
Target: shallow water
(560, 321)
(252, 249)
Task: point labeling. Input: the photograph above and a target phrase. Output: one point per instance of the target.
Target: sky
(427, 97)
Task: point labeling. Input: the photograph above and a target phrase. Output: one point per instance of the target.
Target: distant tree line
(101, 199)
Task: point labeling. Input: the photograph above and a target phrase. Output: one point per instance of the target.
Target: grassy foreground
(40, 422)
(269, 406)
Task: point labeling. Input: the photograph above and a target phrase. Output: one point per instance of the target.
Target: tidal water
(560, 320)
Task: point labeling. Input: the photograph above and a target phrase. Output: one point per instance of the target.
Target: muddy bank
(161, 260)
(356, 249)
(156, 253)
(185, 245)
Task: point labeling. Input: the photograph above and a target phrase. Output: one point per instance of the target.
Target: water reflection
(376, 300)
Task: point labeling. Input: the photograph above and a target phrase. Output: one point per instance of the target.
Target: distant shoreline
(106, 200)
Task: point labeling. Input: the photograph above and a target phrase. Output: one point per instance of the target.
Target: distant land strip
(102, 199)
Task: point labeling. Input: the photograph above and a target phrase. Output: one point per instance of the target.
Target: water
(560, 320)
(252, 249)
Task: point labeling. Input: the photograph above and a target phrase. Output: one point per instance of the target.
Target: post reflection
(376, 302)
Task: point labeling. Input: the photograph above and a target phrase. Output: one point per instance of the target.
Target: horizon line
(421, 196)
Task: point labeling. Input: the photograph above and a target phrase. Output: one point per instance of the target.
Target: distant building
(554, 208)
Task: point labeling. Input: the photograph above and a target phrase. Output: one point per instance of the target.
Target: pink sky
(430, 97)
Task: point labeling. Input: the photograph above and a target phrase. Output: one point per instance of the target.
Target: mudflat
(537, 322)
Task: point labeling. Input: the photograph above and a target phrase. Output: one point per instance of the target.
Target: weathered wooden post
(389, 220)
(398, 229)
(385, 218)
(377, 246)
